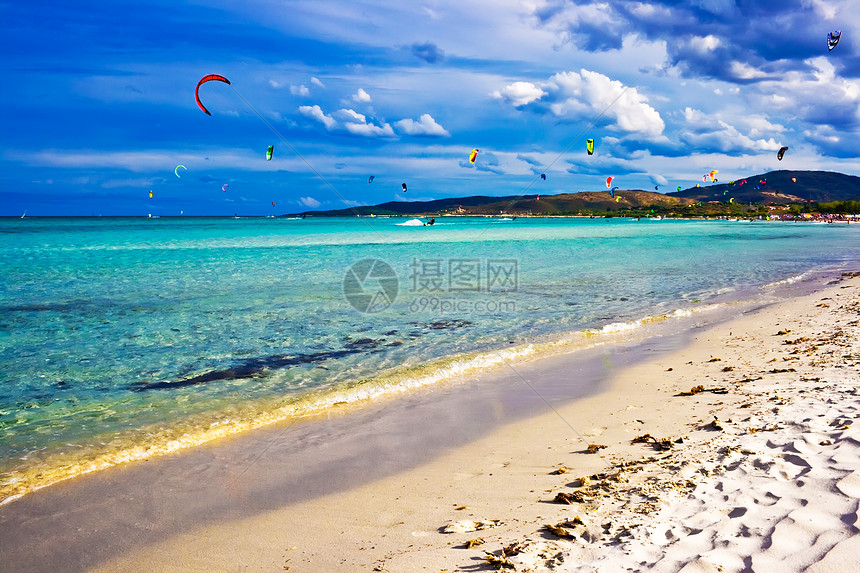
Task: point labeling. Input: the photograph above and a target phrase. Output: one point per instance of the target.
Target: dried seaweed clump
(569, 498)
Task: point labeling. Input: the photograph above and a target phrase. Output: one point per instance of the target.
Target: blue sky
(98, 101)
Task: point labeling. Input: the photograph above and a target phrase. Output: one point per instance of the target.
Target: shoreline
(282, 465)
(392, 521)
(348, 397)
(398, 523)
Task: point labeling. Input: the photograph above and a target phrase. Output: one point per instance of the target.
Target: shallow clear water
(120, 333)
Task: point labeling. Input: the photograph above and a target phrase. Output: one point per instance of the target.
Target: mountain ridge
(778, 190)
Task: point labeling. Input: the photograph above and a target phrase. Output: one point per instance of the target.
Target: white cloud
(704, 45)
(361, 96)
(659, 180)
(300, 90)
(818, 94)
(710, 131)
(649, 11)
(586, 93)
(425, 125)
(759, 125)
(350, 116)
(309, 202)
(779, 101)
(317, 83)
(370, 130)
(590, 92)
(519, 93)
(316, 113)
(357, 124)
(824, 8)
(348, 119)
(744, 71)
(823, 133)
(694, 115)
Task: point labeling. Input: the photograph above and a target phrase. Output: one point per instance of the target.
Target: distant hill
(564, 204)
(815, 186)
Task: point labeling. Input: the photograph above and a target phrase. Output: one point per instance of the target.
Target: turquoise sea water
(120, 337)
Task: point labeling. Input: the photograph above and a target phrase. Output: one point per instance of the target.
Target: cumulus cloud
(309, 202)
(370, 130)
(743, 71)
(348, 120)
(721, 39)
(519, 93)
(758, 125)
(588, 94)
(428, 52)
(649, 11)
(350, 116)
(425, 125)
(711, 132)
(315, 112)
(361, 96)
(300, 90)
(705, 44)
(317, 83)
(591, 25)
(818, 95)
(828, 140)
(357, 124)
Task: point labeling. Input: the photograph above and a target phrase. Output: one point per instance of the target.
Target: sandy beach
(734, 451)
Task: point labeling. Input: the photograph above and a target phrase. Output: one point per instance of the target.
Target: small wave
(614, 327)
(411, 223)
(618, 327)
(684, 312)
(787, 281)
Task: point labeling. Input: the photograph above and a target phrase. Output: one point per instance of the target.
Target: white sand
(776, 489)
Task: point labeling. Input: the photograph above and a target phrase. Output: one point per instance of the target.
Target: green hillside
(715, 198)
